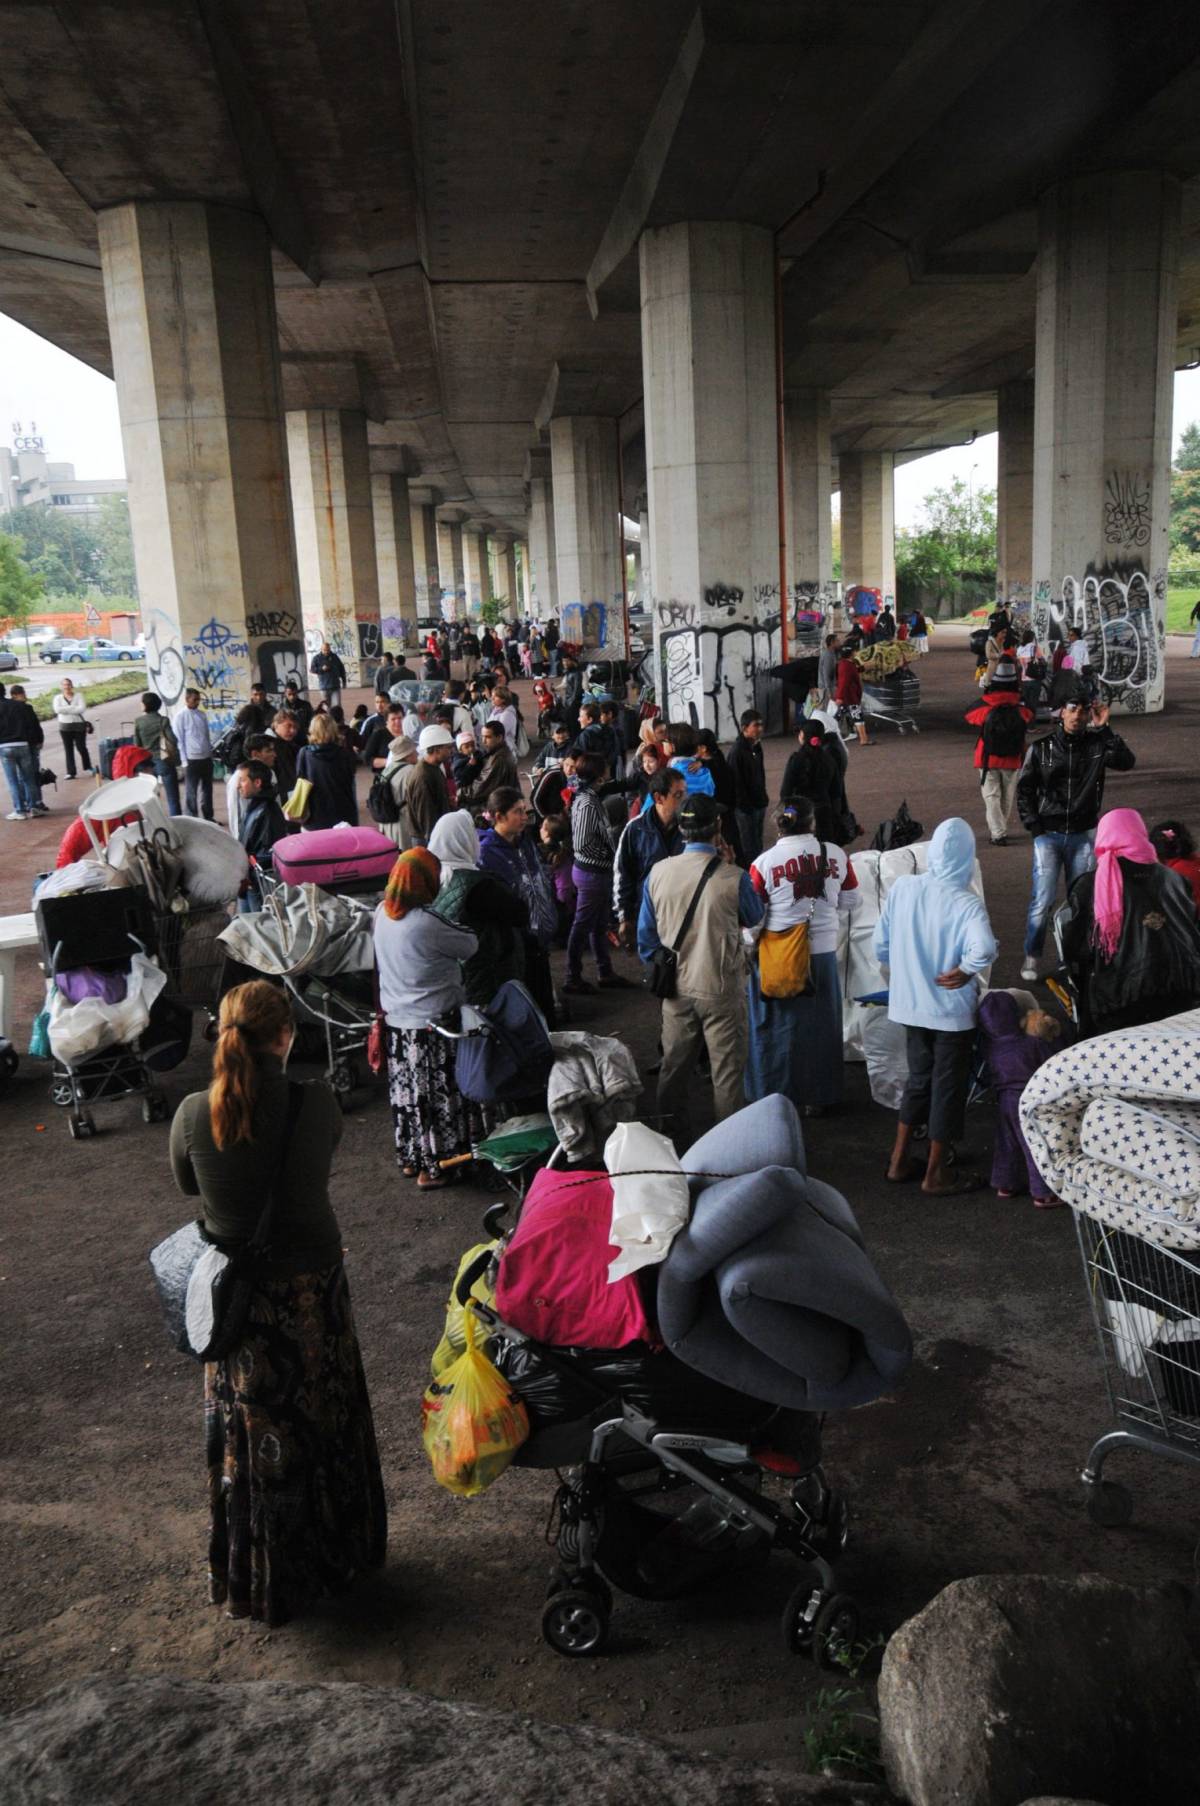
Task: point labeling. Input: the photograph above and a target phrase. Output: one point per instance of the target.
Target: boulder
(1010, 1687)
(121, 1742)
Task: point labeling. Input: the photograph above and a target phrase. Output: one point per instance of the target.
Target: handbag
(296, 807)
(785, 962)
(663, 976)
(205, 1292)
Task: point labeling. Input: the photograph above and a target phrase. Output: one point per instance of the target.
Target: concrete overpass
(390, 287)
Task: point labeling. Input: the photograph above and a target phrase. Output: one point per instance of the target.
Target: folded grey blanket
(769, 1289)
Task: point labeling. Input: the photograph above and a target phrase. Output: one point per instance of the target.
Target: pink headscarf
(1121, 835)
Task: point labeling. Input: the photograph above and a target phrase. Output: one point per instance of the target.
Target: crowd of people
(650, 836)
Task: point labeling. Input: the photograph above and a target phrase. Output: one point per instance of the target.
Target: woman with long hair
(812, 772)
(330, 769)
(296, 1502)
(420, 956)
(1128, 932)
(796, 1040)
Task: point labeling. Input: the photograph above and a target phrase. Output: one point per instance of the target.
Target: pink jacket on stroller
(553, 1282)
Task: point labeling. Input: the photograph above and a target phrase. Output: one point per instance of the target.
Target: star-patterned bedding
(1114, 1124)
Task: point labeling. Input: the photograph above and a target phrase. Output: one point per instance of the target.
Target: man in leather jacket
(1060, 796)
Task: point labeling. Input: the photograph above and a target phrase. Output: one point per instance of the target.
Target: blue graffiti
(584, 623)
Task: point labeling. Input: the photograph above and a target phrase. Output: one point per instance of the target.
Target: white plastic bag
(78, 1030)
(650, 1206)
(885, 1049)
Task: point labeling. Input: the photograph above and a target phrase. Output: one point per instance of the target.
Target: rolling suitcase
(351, 860)
(106, 751)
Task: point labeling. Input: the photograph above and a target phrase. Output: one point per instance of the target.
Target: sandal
(907, 1177)
(1048, 1203)
(957, 1188)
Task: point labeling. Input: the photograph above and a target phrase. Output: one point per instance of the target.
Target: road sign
(91, 615)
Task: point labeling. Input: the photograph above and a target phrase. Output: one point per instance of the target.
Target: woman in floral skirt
(420, 957)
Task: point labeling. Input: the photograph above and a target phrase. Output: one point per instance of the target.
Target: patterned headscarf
(412, 883)
(1121, 835)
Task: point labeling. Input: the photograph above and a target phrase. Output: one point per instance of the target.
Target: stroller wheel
(575, 1622)
(835, 1531)
(835, 1632)
(155, 1107)
(81, 1127)
(800, 1613)
(60, 1092)
(343, 1077)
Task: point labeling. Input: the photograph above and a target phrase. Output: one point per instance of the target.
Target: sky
(76, 413)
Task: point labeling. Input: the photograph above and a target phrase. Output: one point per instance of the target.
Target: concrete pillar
(475, 569)
(394, 558)
(450, 567)
(587, 532)
(502, 570)
(425, 553)
(191, 319)
(335, 533)
(708, 361)
(1014, 493)
(523, 580)
(868, 521)
(541, 537)
(645, 574)
(809, 486)
(1107, 320)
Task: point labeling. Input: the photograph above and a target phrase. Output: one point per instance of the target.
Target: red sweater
(849, 683)
(976, 717)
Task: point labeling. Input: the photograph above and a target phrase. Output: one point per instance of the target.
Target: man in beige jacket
(710, 1003)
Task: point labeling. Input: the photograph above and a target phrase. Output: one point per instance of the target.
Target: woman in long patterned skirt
(420, 957)
(296, 1497)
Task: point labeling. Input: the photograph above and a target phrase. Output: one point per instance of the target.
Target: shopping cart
(1146, 1304)
(191, 954)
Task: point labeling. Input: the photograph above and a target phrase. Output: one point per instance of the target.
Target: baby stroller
(669, 1451)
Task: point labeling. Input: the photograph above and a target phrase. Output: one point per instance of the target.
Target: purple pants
(593, 904)
(1012, 1163)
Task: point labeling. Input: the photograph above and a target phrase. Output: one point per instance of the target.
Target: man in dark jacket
(498, 771)
(20, 742)
(651, 836)
(262, 823)
(749, 784)
(377, 734)
(299, 706)
(1060, 796)
(385, 677)
(330, 674)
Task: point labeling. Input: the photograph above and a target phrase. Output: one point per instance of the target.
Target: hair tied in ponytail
(261, 1014)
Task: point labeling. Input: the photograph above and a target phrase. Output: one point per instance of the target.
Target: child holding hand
(1017, 1039)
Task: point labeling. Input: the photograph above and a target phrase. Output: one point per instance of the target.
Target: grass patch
(108, 689)
(1180, 603)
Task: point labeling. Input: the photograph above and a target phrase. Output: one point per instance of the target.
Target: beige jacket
(711, 960)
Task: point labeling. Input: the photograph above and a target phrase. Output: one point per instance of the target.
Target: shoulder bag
(663, 976)
(785, 954)
(204, 1292)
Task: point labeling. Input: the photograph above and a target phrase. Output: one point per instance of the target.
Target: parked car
(106, 650)
(52, 650)
(96, 650)
(9, 661)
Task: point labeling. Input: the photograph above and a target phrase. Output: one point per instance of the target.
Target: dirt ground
(972, 1466)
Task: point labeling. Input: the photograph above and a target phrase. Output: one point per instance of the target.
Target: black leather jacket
(1155, 970)
(1061, 787)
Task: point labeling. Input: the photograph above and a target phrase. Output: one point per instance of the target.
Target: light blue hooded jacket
(931, 923)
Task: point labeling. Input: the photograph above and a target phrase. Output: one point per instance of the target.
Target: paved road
(40, 679)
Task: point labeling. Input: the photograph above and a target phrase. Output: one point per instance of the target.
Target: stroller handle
(476, 1270)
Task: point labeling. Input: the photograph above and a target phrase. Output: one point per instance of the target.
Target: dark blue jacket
(643, 843)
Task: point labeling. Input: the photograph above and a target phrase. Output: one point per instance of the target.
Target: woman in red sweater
(848, 694)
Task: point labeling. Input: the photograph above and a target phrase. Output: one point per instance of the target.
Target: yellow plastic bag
(471, 1424)
(296, 807)
(454, 1338)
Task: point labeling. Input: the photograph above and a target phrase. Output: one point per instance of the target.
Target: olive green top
(234, 1182)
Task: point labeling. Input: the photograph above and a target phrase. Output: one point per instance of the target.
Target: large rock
(1009, 1687)
(171, 1742)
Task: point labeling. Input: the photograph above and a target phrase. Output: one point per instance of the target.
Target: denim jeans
(21, 772)
(165, 771)
(750, 831)
(1195, 652)
(1052, 854)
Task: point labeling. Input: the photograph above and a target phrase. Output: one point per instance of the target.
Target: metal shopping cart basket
(1146, 1303)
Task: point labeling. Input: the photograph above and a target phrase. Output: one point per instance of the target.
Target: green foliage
(74, 556)
(1188, 456)
(20, 589)
(953, 551)
(842, 1734)
(494, 610)
(107, 690)
(1185, 513)
(116, 575)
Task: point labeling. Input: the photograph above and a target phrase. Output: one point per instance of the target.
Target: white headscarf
(455, 842)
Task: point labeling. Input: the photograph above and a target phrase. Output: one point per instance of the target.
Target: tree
(1185, 495)
(115, 574)
(1188, 455)
(55, 546)
(20, 590)
(953, 550)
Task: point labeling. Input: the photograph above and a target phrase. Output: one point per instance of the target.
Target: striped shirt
(593, 836)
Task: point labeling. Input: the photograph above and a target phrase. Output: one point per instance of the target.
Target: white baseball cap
(434, 736)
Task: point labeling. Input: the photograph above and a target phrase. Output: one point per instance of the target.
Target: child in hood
(1017, 1039)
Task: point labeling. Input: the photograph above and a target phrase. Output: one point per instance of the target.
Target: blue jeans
(165, 771)
(1052, 854)
(21, 772)
(1195, 652)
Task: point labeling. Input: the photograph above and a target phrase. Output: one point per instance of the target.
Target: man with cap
(1000, 748)
(401, 764)
(1060, 797)
(709, 1004)
(427, 797)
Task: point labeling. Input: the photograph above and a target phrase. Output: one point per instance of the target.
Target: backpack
(521, 743)
(1003, 734)
(382, 805)
(901, 831)
(228, 750)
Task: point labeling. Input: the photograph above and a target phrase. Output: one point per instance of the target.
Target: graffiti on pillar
(370, 639)
(1127, 512)
(218, 665)
(1016, 594)
(342, 633)
(584, 623)
(711, 671)
(271, 624)
(393, 631)
(165, 669)
(727, 599)
(1121, 617)
(675, 614)
(282, 662)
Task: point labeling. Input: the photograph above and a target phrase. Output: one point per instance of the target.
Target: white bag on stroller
(78, 1030)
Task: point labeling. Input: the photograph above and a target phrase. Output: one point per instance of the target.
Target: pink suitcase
(336, 858)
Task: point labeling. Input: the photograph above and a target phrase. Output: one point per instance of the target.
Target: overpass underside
(408, 305)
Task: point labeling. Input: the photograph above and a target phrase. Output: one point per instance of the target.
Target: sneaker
(40, 809)
(999, 840)
(17, 815)
(1029, 972)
